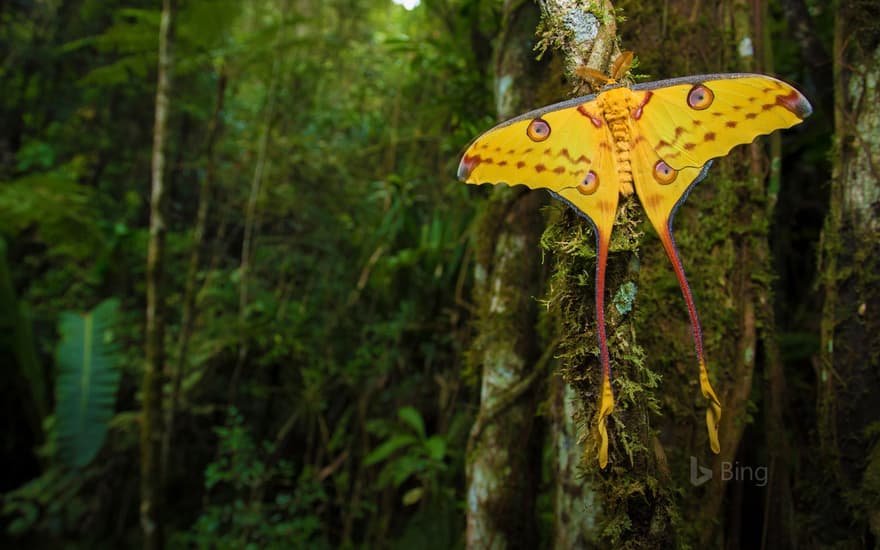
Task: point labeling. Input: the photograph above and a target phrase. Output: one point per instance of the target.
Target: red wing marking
(595, 120)
(637, 113)
(795, 103)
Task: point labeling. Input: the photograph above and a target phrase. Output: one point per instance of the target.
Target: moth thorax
(615, 111)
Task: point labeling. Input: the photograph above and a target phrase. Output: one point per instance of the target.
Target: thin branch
(189, 296)
(151, 422)
(250, 226)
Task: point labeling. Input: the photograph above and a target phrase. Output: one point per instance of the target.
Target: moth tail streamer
(606, 407)
(713, 411)
(606, 403)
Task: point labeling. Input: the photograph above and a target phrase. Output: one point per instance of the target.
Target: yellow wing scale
(659, 137)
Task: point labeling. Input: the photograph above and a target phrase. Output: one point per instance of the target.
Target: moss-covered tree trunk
(648, 498)
(849, 372)
(587, 38)
(633, 493)
(504, 449)
(722, 232)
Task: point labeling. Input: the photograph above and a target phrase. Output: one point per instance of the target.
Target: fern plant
(87, 381)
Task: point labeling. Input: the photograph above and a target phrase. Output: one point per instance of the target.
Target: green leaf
(61, 209)
(436, 446)
(412, 496)
(35, 155)
(87, 382)
(405, 468)
(385, 450)
(412, 418)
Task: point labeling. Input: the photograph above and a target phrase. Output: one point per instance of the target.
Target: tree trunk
(151, 421)
(849, 370)
(635, 496)
(504, 449)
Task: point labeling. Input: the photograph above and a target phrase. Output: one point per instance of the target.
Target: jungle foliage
(319, 382)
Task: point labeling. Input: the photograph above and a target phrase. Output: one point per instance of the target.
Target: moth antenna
(622, 65)
(596, 79)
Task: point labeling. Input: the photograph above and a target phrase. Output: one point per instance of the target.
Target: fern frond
(87, 381)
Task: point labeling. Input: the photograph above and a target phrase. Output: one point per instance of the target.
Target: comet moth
(655, 139)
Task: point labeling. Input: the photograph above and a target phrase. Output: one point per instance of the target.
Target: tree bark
(722, 232)
(746, 277)
(151, 418)
(849, 369)
(503, 467)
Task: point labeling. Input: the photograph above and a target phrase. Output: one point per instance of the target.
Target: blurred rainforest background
(246, 304)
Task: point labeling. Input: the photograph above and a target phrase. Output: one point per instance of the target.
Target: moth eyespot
(663, 173)
(538, 130)
(700, 97)
(590, 183)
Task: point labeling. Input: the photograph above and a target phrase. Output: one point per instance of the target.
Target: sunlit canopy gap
(408, 4)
